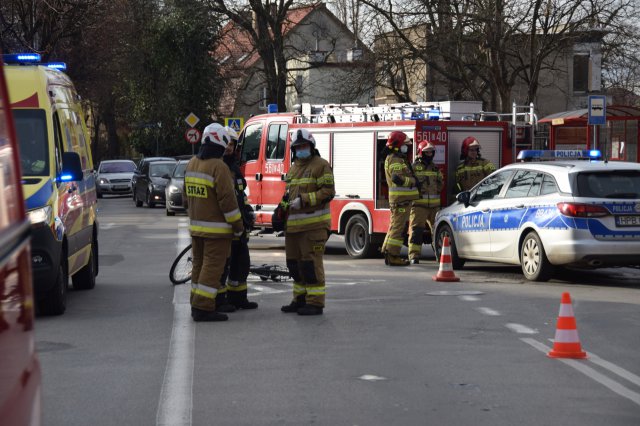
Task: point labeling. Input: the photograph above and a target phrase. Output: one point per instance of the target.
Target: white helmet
(302, 136)
(216, 134)
(232, 133)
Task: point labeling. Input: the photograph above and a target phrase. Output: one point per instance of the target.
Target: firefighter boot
(239, 300)
(414, 261)
(310, 310)
(393, 260)
(296, 304)
(222, 305)
(199, 315)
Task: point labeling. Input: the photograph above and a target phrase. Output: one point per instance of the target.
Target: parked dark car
(150, 182)
(114, 177)
(173, 191)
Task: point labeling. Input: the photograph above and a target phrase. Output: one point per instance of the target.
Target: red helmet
(466, 143)
(397, 139)
(426, 146)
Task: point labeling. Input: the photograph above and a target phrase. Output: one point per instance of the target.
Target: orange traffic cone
(566, 343)
(445, 273)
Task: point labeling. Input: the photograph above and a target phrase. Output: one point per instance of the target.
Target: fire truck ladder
(355, 113)
(523, 117)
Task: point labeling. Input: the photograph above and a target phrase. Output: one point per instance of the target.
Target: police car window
(521, 184)
(615, 184)
(492, 186)
(250, 142)
(548, 186)
(535, 186)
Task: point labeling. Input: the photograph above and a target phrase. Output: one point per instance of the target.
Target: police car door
(474, 225)
(510, 211)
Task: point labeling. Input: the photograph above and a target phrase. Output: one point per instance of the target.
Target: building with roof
(326, 64)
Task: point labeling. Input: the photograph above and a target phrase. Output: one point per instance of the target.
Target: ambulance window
(276, 141)
(31, 128)
(57, 133)
(250, 142)
(492, 186)
(521, 184)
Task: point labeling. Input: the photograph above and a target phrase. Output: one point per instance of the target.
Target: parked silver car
(541, 215)
(173, 191)
(114, 177)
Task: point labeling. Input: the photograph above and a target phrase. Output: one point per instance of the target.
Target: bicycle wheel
(180, 271)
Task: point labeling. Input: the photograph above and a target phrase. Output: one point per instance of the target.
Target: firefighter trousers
(209, 258)
(394, 239)
(237, 270)
(304, 251)
(420, 218)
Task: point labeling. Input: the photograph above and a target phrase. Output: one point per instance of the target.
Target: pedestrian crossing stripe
(235, 123)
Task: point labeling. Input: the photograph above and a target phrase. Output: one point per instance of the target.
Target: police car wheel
(535, 265)
(445, 231)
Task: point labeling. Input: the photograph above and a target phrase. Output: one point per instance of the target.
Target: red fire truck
(352, 138)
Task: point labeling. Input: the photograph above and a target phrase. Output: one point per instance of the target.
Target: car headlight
(174, 189)
(40, 216)
(103, 181)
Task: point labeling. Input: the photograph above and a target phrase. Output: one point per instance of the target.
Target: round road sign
(192, 135)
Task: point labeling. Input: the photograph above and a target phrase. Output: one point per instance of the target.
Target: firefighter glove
(296, 204)
(397, 180)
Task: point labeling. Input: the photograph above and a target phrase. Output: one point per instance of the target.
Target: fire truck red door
(273, 167)
(251, 163)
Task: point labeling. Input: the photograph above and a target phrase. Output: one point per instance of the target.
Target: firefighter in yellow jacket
(472, 169)
(214, 219)
(402, 191)
(310, 188)
(424, 209)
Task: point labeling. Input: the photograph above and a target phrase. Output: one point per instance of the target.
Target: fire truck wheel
(357, 238)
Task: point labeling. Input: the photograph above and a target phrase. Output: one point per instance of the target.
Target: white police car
(539, 215)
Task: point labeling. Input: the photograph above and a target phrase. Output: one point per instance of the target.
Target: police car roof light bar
(20, 58)
(559, 154)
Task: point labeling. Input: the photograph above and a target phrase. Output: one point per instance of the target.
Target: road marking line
(467, 298)
(176, 396)
(488, 311)
(589, 372)
(521, 329)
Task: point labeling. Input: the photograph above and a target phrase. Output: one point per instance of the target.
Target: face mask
(303, 153)
(404, 149)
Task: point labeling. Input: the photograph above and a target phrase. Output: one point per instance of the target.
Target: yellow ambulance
(57, 179)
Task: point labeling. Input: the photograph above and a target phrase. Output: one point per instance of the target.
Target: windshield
(117, 167)
(615, 184)
(31, 126)
(161, 169)
(180, 169)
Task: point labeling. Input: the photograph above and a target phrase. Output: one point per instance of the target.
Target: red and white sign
(192, 135)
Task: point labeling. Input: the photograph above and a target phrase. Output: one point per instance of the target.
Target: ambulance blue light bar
(57, 65)
(559, 154)
(20, 58)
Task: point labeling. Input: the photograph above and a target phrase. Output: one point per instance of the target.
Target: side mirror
(464, 197)
(71, 167)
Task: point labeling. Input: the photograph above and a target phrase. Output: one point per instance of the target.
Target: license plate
(627, 220)
(121, 187)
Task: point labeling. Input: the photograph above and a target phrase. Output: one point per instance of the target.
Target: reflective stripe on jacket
(431, 183)
(469, 173)
(311, 180)
(211, 199)
(397, 165)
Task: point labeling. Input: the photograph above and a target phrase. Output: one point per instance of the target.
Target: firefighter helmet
(214, 133)
(233, 135)
(466, 144)
(426, 146)
(302, 136)
(397, 139)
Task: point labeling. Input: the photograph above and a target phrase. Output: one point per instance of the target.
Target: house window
(581, 73)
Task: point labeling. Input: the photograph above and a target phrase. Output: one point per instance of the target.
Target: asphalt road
(394, 346)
